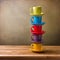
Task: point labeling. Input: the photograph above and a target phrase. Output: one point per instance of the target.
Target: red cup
(37, 29)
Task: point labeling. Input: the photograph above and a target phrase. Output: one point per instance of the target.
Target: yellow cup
(36, 10)
(36, 47)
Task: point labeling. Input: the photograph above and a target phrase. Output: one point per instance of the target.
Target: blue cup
(37, 20)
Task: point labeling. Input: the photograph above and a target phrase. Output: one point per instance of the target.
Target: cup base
(42, 32)
(38, 23)
(35, 14)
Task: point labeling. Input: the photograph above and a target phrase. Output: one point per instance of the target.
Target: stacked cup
(36, 29)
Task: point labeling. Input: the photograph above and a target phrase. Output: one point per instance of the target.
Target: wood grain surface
(18, 52)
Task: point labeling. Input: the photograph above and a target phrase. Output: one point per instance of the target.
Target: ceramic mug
(36, 38)
(37, 20)
(36, 47)
(37, 30)
(36, 10)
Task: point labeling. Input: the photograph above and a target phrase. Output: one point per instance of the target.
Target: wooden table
(14, 52)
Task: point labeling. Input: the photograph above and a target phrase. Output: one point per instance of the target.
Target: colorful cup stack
(36, 29)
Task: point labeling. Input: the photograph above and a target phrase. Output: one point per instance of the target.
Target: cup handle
(32, 29)
(32, 37)
(32, 19)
